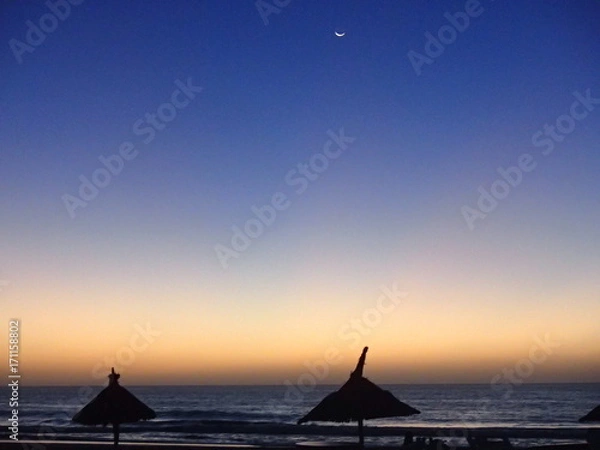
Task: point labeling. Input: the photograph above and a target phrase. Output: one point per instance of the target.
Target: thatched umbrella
(593, 434)
(358, 399)
(592, 416)
(114, 405)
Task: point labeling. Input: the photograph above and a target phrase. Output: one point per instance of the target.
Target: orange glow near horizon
(206, 371)
(152, 352)
(200, 199)
(452, 328)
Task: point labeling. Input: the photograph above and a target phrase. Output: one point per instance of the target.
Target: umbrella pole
(116, 434)
(361, 436)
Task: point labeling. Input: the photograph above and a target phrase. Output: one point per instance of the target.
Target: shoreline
(136, 445)
(346, 430)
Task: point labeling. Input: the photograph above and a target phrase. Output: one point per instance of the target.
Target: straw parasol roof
(114, 405)
(358, 399)
(592, 416)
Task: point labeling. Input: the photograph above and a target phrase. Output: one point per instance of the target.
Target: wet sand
(106, 445)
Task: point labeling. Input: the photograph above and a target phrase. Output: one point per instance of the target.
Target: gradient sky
(388, 212)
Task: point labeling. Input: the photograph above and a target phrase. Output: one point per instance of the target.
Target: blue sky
(389, 209)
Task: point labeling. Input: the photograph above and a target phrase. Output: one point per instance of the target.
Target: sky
(227, 192)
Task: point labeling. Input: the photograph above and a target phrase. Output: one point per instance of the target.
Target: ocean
(267, 415)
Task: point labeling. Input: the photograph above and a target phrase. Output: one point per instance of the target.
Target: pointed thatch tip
(358, 372)
(113, 377)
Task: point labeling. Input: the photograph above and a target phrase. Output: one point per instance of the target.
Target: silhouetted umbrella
(592, 416)
(358, 399)
(114, 405)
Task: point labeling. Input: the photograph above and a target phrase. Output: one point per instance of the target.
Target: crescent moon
(342, 34)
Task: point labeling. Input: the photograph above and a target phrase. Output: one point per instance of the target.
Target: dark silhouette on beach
(114, 405)
(592, 416)
(358, 399)
(593, 435)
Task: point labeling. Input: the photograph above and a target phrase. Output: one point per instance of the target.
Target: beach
(86, 445)
(315, 438)
(264, 417)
